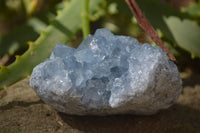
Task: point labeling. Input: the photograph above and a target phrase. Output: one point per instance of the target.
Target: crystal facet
(106, 75)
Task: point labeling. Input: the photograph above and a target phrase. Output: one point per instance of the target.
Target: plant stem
(85, 17)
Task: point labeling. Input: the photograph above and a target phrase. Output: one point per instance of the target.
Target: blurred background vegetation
(22, 22)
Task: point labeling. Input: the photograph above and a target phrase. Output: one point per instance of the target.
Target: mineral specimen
(106, 75)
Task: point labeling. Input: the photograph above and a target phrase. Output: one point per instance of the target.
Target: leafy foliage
(62, 29)
(19, 37)
(178, 29)
(186, 34)
(193, 10)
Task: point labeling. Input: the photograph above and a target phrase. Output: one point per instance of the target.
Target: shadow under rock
(19, 103)
(176, 119)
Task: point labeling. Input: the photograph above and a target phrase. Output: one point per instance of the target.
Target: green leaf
(19, 37)
(62, 29)
(193, 10)
(186, 34)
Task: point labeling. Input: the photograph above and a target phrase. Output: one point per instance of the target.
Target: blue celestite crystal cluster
(105, 75)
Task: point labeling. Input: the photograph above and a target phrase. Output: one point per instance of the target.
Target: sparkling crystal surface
(106, 75)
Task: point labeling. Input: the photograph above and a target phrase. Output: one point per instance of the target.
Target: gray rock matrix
(107, 75)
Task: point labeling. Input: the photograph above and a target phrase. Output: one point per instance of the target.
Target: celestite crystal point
(107, 75)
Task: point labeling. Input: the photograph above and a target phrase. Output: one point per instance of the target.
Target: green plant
(178, 29)
(62, 29)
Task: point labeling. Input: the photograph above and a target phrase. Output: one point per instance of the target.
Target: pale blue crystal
(107, 74)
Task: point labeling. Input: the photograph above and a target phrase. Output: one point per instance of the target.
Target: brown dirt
(21, 111)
